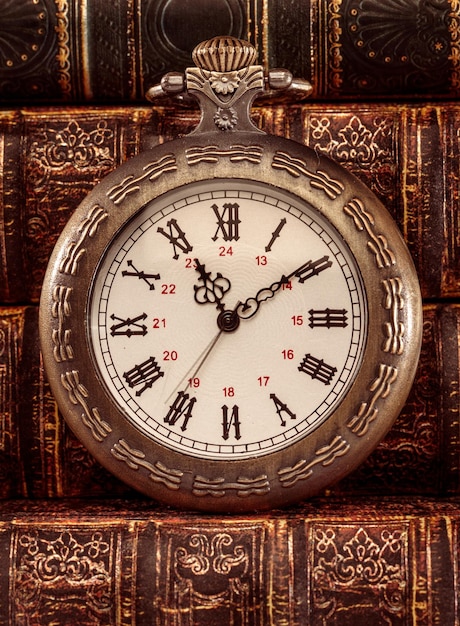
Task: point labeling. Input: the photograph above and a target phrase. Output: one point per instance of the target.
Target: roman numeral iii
(328, 318)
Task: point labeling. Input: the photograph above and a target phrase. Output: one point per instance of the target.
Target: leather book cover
(329, 562)
(78, 51)
(41, 458)
(407, 154)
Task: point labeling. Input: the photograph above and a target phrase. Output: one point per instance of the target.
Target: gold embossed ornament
(230, 322)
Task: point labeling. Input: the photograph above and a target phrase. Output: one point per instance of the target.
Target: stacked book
(78, 546)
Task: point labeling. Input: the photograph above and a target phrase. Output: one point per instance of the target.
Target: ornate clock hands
(213, 290)
(250, 306)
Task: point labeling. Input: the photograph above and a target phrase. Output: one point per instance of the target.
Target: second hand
(197, 365)
(228, 321)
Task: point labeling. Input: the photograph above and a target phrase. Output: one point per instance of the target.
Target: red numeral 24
(223, 251)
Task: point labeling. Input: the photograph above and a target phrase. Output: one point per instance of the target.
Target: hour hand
(212, 290)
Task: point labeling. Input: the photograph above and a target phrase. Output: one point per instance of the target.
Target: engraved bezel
(373, 401)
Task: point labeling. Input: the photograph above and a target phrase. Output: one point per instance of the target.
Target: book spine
(408, 155)
(50, 160)
(40, 457)
(13, 284)
(78, 51)
(330, 562)
(421, 452)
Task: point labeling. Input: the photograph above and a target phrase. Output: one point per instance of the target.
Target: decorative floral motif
(354, 141)
(77, 565)
(210, 574)
(224, 83)
(209, 554)
(24, 28)
(364, 144)
(226, 119)
(73, 146)
(367, 568)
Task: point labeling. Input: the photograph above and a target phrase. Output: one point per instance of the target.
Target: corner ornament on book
(229, 321)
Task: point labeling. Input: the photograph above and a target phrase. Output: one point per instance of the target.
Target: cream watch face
(227, 319)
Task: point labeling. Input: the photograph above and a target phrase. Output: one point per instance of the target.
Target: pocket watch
(229, 321)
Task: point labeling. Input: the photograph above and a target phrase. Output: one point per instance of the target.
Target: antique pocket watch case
(229, 321)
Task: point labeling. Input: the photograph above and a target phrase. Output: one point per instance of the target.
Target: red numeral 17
(263, 381)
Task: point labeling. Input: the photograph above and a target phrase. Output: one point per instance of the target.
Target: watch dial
(227, 319)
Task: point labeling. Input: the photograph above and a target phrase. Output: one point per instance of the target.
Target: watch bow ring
(230, 322)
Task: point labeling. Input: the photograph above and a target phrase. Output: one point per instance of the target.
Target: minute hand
(250, 306)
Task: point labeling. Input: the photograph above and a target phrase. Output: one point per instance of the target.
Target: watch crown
(224, 54)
